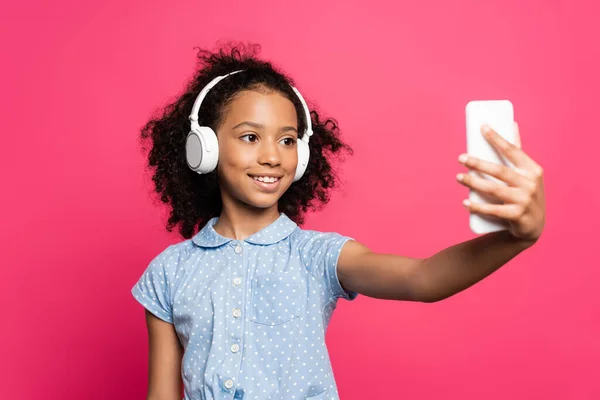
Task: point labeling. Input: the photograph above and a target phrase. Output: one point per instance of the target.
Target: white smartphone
(499, 115)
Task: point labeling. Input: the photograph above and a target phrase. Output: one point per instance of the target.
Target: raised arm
(460, 266)
(452, 270)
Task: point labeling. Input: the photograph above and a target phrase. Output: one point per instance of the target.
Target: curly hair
(194, 199)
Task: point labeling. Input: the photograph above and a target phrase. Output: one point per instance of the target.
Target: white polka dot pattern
(252, 314)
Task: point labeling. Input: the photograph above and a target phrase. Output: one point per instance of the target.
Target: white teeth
(266, 179)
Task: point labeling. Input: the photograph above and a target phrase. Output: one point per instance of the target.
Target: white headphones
(202, 146)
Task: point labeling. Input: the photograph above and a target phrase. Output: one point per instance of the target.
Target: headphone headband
(200, 98)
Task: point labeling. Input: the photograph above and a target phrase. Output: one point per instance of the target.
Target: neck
(241, 222)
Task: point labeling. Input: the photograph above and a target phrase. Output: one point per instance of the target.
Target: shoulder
(320, 253)
(314, 244)
(307, 235)
(172, 257)
(302, 235)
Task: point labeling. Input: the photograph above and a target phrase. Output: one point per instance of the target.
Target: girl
(239, 309)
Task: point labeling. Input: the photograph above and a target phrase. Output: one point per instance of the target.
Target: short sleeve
(152, 290)
(320, 253)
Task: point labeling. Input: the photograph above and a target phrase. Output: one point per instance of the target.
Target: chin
(263, 202)
(248, 193)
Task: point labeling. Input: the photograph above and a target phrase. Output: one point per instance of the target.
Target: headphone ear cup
(303, 157)
(202, 150)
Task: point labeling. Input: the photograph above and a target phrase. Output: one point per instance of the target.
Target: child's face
(257, 138)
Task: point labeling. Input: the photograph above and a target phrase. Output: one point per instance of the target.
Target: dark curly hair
(194, 199)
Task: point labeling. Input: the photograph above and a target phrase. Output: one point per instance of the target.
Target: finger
(509, 212)
(513, 153)
(508, 175)
(500, 191)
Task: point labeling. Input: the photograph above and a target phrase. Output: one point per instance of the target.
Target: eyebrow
(260, 126)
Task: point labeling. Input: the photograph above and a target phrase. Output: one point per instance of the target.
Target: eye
(289, 141)
(251, 138)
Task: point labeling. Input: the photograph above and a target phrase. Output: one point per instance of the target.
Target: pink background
(78, 225)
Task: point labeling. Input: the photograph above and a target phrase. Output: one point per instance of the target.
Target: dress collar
(278, 230)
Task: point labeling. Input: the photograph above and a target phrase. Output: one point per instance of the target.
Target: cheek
(232, 156)
(291, 157)
(291, 161)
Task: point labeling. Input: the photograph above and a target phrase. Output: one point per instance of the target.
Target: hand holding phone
(499, 115)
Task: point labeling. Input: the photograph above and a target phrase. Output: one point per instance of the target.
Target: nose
(269, 153)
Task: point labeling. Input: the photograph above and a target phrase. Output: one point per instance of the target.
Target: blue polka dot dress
(251, 315)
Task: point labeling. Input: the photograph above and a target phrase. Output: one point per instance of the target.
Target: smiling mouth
(268, 184)
(265, 179)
